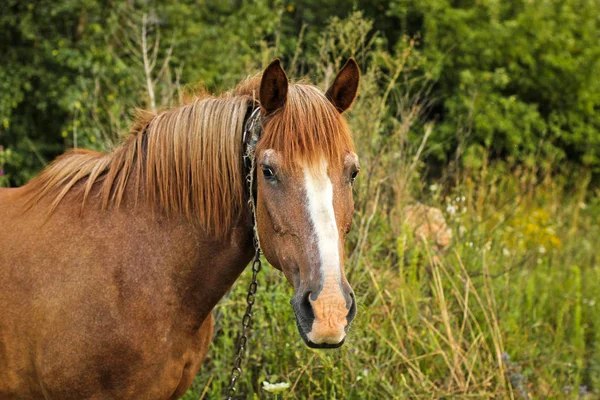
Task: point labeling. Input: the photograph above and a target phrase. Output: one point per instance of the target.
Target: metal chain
(236, 371)
(253, 128)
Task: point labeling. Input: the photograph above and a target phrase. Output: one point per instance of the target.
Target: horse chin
(314, 345)
(324, 345)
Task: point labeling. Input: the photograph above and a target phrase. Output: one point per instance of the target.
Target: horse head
(306, 166)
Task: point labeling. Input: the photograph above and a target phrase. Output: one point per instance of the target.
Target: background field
(487, 110)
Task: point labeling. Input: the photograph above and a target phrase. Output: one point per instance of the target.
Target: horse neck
(186, 267)
(219, 262)
(205, 262)
(202, 266)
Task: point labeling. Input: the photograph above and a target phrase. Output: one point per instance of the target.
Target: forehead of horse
(307, 131)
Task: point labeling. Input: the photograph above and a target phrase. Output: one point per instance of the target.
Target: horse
(110, 263)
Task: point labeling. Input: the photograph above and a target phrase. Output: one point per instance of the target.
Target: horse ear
(273, 87)
(345, 86)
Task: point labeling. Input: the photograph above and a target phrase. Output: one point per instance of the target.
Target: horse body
(81, 320)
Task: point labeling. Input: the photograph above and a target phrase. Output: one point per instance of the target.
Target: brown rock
(429, 224)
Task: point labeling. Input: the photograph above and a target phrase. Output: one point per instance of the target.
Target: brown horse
(110, 264)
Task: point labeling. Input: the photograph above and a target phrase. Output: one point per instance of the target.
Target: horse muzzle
(323, 321)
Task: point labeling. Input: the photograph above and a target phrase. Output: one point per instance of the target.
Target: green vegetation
(487, 110)
(510, 312)
(515, 79)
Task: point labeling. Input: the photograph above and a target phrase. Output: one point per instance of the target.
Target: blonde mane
(188, 160)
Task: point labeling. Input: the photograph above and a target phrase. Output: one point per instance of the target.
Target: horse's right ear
(273, 87)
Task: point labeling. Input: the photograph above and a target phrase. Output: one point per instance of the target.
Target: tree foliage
(515, 79)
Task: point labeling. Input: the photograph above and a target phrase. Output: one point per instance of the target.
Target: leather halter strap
(250, 137)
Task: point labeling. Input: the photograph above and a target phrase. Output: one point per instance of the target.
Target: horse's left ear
(345, 86)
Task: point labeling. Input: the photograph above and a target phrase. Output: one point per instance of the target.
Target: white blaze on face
(330, 306)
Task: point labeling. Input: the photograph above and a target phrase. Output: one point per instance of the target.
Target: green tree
(517, 77)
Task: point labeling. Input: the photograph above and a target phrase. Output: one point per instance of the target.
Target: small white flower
(450, 209)
(275, 387)
(462, 230)
(542, 250)
(505, 252)
(433, 188)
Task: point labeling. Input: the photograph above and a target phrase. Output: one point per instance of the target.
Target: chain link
(236, 371)
(252, 128)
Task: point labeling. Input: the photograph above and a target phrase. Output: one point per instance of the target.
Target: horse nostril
(352, 311)
(306, 307)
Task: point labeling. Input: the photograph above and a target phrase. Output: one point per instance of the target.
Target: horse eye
(353, 176)
(268, 173)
